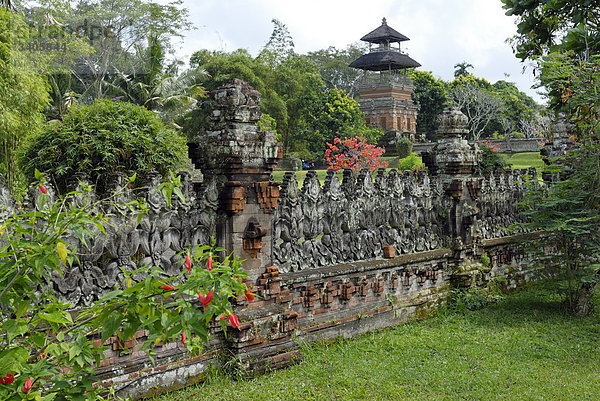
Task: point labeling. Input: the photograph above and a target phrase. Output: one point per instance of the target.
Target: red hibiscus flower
(188, 263)
(28, 384)
(205, 300)
(233, 321)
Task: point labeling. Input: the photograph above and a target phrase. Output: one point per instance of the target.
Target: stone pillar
(240, 158)
(562, 131)
(455, 161)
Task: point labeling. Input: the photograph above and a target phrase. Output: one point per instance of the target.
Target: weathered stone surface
(127, 244)
(355, 219)
(233, 147)
(498, 203)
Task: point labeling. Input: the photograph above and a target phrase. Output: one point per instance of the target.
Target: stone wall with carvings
(362, 217)
(356, 253)
(498, 202)
(154, 240)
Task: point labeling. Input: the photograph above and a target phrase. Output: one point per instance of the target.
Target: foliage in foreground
(430, 95)
(522, 347)
(101, 139)
(545, 26)
(569, 212)
(49, 350)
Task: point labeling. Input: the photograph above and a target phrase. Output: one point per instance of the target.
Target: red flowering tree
(355, 154)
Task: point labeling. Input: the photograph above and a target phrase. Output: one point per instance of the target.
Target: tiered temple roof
(384, 57)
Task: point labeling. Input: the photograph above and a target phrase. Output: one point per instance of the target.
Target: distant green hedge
(102, 138)
(411, 162)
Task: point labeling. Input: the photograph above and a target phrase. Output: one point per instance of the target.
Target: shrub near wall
(103, 138)
(404, 147)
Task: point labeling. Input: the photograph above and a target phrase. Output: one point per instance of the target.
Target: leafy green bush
(517, 134)
(412, 162)
(102, 138)
(491, 159)
(404, 148)
(267, 123)
(47, 351)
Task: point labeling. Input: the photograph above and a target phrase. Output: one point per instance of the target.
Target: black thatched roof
(383, 61)
(384, 34)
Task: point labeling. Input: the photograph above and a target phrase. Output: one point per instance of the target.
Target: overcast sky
(442, 32)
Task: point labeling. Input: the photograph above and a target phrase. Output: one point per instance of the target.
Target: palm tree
(461, 69)
(62, 94)
(155, 86)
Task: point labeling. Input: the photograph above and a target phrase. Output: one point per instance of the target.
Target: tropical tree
(114, 28)
(23, 94)
(568, 214)
(544, 26)
(430, 94)
(296, 82)
(280, 45)
(533, 128)
(62, 94)
(333, 65)
(331, 114)
(156, 86)
(285, 80)
(220, 67)
(518, 108)
(562, 39)
(475, 99)
(462, 69)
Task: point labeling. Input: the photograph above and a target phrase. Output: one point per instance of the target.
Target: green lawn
(301, 175)
(524, 160)
(522, 348)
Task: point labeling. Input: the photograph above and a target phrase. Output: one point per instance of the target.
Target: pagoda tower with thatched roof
(385, 89)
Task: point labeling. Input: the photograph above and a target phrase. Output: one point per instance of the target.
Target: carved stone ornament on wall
(354, 220)
(129, 244)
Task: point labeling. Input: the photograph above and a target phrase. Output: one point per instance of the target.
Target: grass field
(525, 160)
(521, 348)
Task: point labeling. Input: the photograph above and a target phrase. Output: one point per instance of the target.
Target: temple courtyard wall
(354, 254)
